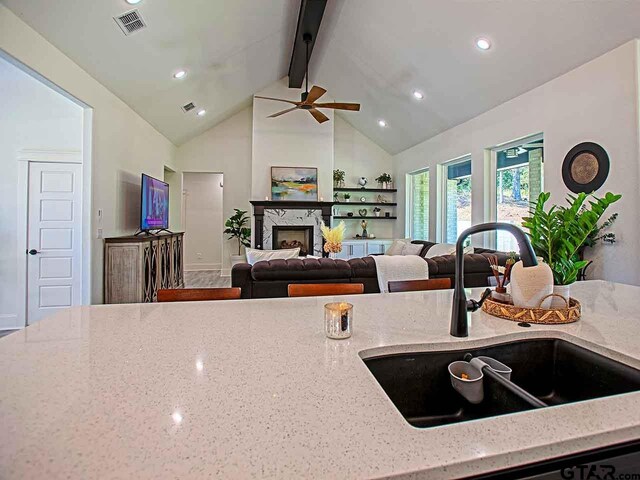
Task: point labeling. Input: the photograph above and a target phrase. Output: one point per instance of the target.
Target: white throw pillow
(440, 249)
(404, 247)
(412, 249)
(397, 246)
(254, 255)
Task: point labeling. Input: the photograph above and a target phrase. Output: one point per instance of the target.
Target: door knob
(33, 251)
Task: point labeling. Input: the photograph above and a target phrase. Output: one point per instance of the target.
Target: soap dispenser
(529, 285)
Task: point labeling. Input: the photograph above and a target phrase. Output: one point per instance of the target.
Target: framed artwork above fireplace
(294, 184)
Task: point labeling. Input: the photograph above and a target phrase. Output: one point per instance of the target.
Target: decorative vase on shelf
(529, 285)
(363, 224)
(362, 182)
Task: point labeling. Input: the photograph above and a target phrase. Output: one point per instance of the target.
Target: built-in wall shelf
(388, 204)
(368, 217)
(356, 189)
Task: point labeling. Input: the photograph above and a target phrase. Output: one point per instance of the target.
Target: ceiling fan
(308, 98)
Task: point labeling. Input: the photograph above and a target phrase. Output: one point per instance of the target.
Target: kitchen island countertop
(254, 389)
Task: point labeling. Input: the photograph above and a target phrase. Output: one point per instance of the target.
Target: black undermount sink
(555, 371)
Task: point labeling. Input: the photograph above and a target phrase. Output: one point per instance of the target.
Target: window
(457, 199)
(519, 179)
(419, 205)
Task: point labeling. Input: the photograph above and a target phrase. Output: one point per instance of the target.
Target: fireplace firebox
(293, 237)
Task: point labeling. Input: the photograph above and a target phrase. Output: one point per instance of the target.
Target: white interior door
(54, 239)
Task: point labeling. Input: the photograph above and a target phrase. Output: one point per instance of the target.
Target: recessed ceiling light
(202, 112)
(132, 2)
(417, 94)
(483, 43)
(180, 74)
(382, 123)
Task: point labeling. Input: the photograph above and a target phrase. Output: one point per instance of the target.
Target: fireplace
(308, 215)
(293, 236)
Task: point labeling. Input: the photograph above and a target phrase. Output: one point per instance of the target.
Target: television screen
(154, 211)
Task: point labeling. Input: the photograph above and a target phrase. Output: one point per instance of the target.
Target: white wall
(123, 144)
(32, 117)
(595, 102)
(226, 149)
(295, 139)
(203, 222)
(358, 156)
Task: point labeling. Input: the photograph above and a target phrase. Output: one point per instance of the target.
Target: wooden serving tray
(569, 314)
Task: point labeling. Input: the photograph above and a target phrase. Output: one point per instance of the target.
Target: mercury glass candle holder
(338, 319)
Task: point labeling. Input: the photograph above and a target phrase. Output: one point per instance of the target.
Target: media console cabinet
(136, 267)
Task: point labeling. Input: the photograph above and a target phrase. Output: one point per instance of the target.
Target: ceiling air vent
(130, 22)
(188, 107)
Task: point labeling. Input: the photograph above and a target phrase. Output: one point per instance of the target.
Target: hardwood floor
(205, 279)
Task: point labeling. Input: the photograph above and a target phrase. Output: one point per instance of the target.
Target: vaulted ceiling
(376, 52)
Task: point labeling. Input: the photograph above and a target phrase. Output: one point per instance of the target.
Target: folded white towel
(397, 268)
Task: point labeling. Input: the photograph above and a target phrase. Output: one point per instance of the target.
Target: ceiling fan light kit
(308, 98)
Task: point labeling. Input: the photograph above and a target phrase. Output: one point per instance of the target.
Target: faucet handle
(473, 305)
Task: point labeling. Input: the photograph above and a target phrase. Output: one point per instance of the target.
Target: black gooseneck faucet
(460, 307)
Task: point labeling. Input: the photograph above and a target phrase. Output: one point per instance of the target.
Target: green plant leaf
(559, 234)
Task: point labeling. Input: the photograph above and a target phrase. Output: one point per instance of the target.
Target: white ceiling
(375, 52)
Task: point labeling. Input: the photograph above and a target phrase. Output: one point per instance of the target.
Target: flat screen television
(154, 205)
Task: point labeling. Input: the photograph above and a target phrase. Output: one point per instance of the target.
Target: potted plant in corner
(384, 180)
(237, 228)
(338, 178)
(558, 234)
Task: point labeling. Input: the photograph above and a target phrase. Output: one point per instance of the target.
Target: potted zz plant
(237, 229)
(384, 180)
(558, 234)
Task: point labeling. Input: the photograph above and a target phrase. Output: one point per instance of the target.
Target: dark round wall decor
(585, 168)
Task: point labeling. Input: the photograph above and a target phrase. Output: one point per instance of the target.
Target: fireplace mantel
(259, 206)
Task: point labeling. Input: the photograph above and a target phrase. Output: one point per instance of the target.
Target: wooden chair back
(324, 289)
(419, 285)
(198, 294)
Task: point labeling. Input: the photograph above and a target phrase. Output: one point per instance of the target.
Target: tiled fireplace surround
(268, 213)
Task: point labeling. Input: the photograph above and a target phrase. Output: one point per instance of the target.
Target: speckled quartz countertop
(253, 389)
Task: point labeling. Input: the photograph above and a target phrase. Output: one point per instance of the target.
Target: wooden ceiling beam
(309, 19)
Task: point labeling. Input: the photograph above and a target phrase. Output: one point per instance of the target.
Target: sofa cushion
(364, 267)
(255, 255)
(473, 263)
(301, 269)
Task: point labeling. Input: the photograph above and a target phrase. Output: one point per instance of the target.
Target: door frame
(85, 157)
(183, 213)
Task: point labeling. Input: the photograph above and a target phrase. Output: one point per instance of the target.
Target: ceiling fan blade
(355, 107)
(278, 100)
(283, 112)
(318, 115)
(315, 93)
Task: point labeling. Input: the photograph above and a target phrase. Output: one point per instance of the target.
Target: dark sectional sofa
(270, 279)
